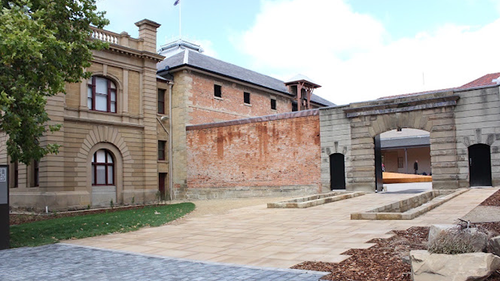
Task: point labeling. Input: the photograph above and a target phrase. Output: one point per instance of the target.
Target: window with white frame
(101, 94)
(103, 168)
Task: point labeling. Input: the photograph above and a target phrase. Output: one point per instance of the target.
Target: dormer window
(101, 94)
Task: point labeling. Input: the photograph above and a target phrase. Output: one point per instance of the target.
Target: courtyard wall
(263, 156)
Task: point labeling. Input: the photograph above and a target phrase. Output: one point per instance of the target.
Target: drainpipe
(170, 149)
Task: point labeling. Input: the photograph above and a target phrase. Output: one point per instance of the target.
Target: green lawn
(52, 231)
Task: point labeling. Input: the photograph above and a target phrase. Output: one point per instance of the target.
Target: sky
(357, 50)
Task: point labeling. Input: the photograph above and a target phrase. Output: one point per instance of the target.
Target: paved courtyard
(67, 262)
(278, 238)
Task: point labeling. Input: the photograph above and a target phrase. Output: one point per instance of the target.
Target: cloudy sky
(356, 49)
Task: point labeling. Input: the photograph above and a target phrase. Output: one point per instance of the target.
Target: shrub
(458, 241)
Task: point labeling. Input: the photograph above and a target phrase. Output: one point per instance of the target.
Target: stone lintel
(402, 106)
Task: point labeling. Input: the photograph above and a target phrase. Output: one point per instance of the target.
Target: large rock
(436, 229)
(467, 267)
(494, 245)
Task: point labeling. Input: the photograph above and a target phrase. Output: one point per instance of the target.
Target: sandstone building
(180, 124)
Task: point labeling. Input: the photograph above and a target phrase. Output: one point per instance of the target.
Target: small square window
(217, 91)
(246, 98)
(273, 104)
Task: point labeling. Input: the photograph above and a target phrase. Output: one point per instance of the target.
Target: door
(379, 182)
(337, 171)
(162, 177)
(479, 165)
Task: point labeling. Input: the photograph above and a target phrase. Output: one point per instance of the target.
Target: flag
(176, 2)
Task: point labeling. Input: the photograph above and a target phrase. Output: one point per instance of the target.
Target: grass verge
(52, 231)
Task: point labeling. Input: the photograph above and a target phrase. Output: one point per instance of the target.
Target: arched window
(101, 94)
(103, 168)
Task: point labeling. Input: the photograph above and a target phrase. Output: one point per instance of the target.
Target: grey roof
(200, 61)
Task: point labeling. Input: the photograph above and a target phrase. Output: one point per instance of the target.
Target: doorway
(162, 177)
(337, 171)
(479, 165)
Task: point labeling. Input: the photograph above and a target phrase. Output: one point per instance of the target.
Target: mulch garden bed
(389, 258)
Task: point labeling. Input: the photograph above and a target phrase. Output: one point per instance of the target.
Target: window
(161, 150)
(103, 168)
(101, 94)
(217, 91)
(36, 173)
(246, 98)
(161, 101)
(273, 104)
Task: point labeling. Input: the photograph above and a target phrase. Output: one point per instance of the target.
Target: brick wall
(255, 156)
(205, 108)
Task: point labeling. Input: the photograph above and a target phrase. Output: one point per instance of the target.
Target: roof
(486, 80)
(302, 78)
(492, 79)
(200, 61)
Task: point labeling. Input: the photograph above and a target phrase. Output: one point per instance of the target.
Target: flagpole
(180, 20)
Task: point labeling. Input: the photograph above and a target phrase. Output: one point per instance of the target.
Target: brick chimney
(147, 32)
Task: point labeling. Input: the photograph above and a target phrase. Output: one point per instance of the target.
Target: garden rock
(494, 245)
(436, 229)
(439, 267)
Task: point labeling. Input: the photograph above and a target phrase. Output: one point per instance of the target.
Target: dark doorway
(479, 165)
(379, 181)
(337, 171)
(162, 177)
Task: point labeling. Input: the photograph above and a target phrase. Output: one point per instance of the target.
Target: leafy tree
(43, 45)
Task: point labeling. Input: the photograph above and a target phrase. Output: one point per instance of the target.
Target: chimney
(147, 32)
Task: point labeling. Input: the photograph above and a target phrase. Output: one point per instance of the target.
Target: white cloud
(349, 55)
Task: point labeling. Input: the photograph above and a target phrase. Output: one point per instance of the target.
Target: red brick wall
(282, 152)
(205, 108)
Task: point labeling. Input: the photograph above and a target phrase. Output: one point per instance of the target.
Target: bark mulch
(389, 258)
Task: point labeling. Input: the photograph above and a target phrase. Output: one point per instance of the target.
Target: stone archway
(104, 137)
(355, 126)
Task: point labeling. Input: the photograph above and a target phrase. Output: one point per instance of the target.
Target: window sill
(217, 98)
(247, 104)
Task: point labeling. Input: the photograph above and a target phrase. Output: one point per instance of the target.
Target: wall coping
(274, 117)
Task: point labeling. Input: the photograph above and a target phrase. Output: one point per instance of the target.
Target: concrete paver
(279, 238)
(67, 262)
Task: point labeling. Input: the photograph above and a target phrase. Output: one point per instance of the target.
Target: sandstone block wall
(477, 119)
(255, 158)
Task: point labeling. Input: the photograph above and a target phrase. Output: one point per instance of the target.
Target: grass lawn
(53, 230)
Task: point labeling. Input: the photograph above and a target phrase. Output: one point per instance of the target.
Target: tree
(44, 44)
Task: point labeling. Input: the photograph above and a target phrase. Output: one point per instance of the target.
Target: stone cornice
(382, 107)
(136, 53)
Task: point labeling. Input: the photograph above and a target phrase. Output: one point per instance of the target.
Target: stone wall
(477, 119)
(255, 157)
(351, 129)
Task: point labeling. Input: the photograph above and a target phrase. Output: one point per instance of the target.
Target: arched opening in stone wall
(402, 160)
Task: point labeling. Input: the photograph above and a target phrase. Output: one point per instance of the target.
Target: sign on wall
(4, 195)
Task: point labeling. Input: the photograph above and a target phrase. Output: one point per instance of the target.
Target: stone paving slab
(280, 238)
(69, 262)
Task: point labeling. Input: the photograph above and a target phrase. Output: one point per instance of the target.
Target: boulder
(494, 245)
(439, 267)
(436, 229)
